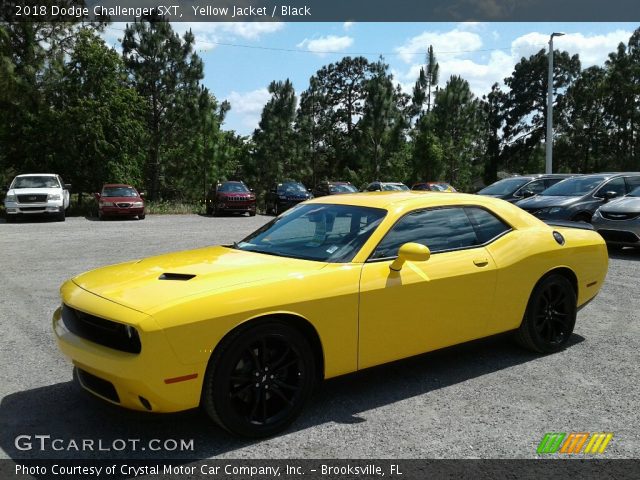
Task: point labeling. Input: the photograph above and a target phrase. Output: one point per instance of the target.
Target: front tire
(258, 380)
(61, 215)
(550, 316)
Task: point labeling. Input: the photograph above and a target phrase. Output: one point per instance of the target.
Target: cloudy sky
(241, 59)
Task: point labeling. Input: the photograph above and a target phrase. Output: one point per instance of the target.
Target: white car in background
(37, 194)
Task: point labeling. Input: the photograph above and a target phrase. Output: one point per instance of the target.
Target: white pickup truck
(37, 194)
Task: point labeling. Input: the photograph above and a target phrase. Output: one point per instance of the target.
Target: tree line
(72, 105)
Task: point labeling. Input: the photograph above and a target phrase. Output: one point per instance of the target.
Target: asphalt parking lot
(488, 399)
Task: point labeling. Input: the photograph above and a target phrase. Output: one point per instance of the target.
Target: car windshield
(321, 232)
(504, 187)
(393, 186)
(634, 193)
(233, 188)
(342, 188)
(289, 188)
(119, 192)
(573, 187)
(36, 182)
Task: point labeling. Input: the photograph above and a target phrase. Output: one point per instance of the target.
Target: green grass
(174, 208)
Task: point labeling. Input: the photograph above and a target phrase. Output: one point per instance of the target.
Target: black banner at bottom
(318, 469)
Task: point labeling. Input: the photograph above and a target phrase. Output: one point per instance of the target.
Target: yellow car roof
(403, 201)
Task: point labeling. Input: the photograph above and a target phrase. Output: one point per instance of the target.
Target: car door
(428, 305)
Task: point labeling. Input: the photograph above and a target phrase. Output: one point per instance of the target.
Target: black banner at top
(325, 10)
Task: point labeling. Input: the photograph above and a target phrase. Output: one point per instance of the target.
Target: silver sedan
(618, 221)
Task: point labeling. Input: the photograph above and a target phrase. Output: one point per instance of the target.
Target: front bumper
(52, 207)
(124, 211)
(144, 381)
(625, 233)
(237, 206)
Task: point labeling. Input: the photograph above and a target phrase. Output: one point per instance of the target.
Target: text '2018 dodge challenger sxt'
(334, 285)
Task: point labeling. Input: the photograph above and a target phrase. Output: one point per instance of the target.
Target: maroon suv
(119, 200)
(231, 197)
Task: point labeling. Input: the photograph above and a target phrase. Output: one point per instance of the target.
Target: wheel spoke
(282, 358)
(282, 384)
(283, 368)
(256, 403)
(278, 392)
(239, 391)
(255, 357)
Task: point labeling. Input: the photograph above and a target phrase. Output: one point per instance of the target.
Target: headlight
(10, 198)
(53, 196)
(137, 204)
(106, 204)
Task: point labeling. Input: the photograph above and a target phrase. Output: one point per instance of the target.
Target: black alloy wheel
(258, 380)
(550, 316)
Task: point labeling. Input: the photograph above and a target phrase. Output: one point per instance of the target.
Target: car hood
(543, 201)
(145, 285)
(121, 199)
(622, 205)
(33, 191)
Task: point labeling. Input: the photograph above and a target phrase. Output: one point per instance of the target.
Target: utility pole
(549, 142)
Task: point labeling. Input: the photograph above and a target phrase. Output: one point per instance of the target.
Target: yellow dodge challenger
(332, 286)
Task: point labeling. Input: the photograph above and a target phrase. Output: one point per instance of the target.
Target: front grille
(98, 385)
(618, 236)
(103, 332)
(619, 215)
(123, 205)
(35, 198)
(236, 199)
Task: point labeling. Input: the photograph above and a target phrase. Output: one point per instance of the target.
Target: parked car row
(610, 201)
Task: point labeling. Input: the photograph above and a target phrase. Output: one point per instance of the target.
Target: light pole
(549, 145)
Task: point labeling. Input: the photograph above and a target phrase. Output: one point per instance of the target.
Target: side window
(616, 185)
(373, 187)
(536, 187)
(487, 225)
(548, 182)
(439, 229)
(632, 183)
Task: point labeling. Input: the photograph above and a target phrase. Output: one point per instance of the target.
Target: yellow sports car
(332, 286)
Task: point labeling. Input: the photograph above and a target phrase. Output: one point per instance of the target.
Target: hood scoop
(183, 277)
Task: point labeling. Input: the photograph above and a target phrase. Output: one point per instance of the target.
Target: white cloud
(330, 43)
(347, 25)
(207, 34)
(481, 69)
(593, 49)
(247, 106)
(454, 43)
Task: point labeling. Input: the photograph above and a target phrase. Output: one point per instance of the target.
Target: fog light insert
(145, 403)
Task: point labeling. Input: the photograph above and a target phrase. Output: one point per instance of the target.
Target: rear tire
(259, 379)
(550, 316)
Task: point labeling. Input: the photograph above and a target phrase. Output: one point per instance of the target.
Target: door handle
(481, 262)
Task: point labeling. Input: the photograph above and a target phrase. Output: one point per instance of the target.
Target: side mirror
(609, 195)
(67, 186)
(410, 252)
(97, 196)
(308, 189)
(251, 190)
(273, 190)
(142, 194)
